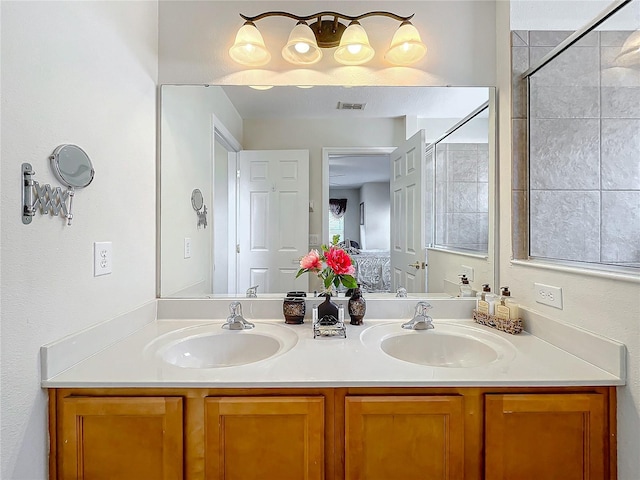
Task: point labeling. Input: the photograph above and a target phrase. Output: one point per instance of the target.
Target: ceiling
(381, 102)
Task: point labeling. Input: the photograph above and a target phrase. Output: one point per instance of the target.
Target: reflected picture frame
(362, 213)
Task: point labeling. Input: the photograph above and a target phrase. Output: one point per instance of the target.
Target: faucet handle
(401, 292)
(235, 308)
(252, 292)
(422, 308)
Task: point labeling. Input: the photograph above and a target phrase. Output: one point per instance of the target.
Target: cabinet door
(408, 438)
(545, 436)
(128, 438)
(264, 437)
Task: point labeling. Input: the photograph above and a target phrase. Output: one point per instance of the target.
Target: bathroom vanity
(499, 407)
(333, 433)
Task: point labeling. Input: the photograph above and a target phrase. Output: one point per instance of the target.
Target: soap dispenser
(486, 300)
(507, 307)
(465, 288)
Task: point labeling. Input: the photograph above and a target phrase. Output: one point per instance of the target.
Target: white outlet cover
(187, 248)
(548, 295)
(102, 258)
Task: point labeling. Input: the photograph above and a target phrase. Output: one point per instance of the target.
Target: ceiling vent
(351, 106)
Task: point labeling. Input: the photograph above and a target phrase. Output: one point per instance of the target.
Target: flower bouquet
(333, 266)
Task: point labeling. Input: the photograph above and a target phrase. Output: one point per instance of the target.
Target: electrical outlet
(102, 258)
(314, 239)
(548, 295)
(187, 248)
(468, 271)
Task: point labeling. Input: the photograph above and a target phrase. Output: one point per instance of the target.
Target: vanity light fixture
(306, 41)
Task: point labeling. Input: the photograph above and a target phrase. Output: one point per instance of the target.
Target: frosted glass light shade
(249, 48)
(302, 48)
(354, 48)
(406, 46)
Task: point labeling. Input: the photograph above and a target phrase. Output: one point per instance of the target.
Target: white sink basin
(211, 346)
(447, 345)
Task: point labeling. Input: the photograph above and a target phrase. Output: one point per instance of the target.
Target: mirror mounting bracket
(46, 198)
(73, 168)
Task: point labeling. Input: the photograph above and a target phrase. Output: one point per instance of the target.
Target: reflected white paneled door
(408, 217)
(273, 219)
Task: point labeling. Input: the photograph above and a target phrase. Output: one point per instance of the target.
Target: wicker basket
(512, 325)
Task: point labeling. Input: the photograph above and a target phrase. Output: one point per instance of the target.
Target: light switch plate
(548, 295)
(102, 258)
(314, 239)
(187, 248)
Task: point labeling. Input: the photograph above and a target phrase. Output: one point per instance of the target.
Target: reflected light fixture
(629, 55)
(306, 41)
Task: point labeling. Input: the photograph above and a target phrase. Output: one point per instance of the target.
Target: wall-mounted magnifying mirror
(197, 202)
(74, 169)
(196, 199)
(72, 166)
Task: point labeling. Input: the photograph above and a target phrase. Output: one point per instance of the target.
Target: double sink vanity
(167, 393)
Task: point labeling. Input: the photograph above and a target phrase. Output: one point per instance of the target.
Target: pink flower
(338, 260)
(311, 261)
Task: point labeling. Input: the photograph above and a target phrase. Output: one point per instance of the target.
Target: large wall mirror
(287, 168)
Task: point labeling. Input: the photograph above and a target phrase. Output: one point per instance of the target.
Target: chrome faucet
(252, 292)
(236, 321)
(401, 292)
(420, 320)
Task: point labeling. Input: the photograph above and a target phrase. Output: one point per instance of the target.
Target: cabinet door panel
(545, 436)
(257, 437)
(134, 438)
(408, 438)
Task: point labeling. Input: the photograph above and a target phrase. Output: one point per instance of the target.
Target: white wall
(604, 305)
(352, 215)
(187, 163)
(313, 134)
(84, 73)
(219, 217)
(463, 30)
(375, 234)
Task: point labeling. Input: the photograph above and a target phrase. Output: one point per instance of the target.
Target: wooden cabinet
(130, 438)
(333, 433)
(412, 437)
(550, 436)
(264, 437)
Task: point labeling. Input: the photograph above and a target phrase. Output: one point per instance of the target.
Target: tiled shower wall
(585, 150)
(462, 196)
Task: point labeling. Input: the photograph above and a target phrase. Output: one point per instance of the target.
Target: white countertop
(327, 362)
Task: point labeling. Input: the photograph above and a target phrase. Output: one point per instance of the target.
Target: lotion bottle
(507, 308)
(482, 305)
(488, 300)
